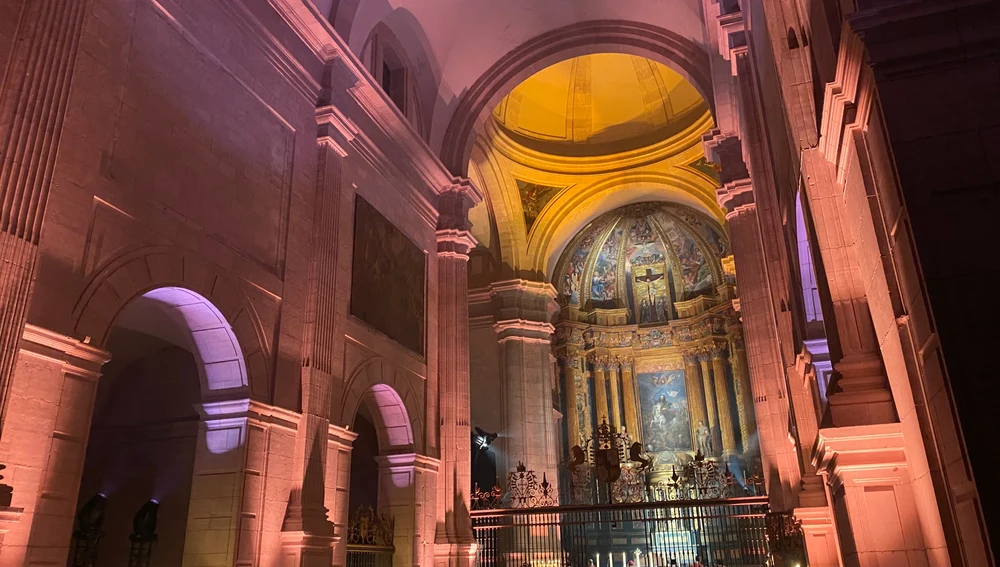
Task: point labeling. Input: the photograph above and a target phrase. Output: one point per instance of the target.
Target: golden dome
(599, 104)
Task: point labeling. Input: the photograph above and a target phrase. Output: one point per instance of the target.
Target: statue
(635, 455)
(577, 458)
(703, 435)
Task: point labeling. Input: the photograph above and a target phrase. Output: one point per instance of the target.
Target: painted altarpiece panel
(666, 422)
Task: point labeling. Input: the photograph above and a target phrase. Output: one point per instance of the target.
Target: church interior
(456, 283)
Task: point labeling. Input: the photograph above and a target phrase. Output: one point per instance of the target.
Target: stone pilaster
(52, 392)
(727, 426)
(523, 311)
(859, 392)
(40, 71)
(307, 532)
(406, 482)
(872, 495)
(614, 400)
(454, 542)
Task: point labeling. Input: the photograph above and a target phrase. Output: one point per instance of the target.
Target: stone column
(726, 423)
(710, 405)
(600, 365)
(744, 395)
(39, 74)
(455, 543)
(52, 391)
(632, 424)
(614, 401)
(523, 311)
(568, 362)
(696, 398)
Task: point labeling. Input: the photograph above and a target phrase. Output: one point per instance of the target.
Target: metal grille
(729, 533)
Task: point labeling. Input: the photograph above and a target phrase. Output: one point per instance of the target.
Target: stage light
(484, 439)
(144, 522)
(91, 516)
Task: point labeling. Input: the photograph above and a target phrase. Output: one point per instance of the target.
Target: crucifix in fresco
(652, 307)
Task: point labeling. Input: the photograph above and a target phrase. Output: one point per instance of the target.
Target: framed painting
(388, 279)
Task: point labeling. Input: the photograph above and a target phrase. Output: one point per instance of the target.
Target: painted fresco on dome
(707, 231)
(696, 275)
(666, 425)
(694, 269)
(576, 263)
(604, 283)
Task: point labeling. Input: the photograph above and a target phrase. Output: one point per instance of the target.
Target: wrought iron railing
(729, 532)
(370, 539)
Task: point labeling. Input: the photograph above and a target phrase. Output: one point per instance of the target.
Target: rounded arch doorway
(172, 352)
(387, 483)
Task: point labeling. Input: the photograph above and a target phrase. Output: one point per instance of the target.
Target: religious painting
(666, 426)
(576, 264)
(387, 279)
(649, 288)
(694, 269)
(604, 282)
(534, 197)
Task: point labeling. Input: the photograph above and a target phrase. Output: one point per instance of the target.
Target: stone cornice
(674, 150)
(77, 357)
(736, 197)
(341, 436)
(868, 449)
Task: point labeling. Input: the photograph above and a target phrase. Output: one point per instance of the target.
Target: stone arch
(395, 403)
(603, 36)
(210, 304)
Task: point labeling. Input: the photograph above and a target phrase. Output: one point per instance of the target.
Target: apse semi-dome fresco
(643, 258)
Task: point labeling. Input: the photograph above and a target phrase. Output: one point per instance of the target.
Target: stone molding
(246, 408)
(736, 197)
(455, 244)
(860, 449)
(77, 357)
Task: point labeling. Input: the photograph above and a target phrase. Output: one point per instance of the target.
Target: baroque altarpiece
(649, 339)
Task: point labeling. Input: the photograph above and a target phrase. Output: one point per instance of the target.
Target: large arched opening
(384, 482)
(174, 361)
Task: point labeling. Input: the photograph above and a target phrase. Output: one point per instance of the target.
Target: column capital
(523, 309)
(454, 202)
(718, 351)
(736, 197)
(455, 243)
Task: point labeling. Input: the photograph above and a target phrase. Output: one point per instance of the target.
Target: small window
(394, 80)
